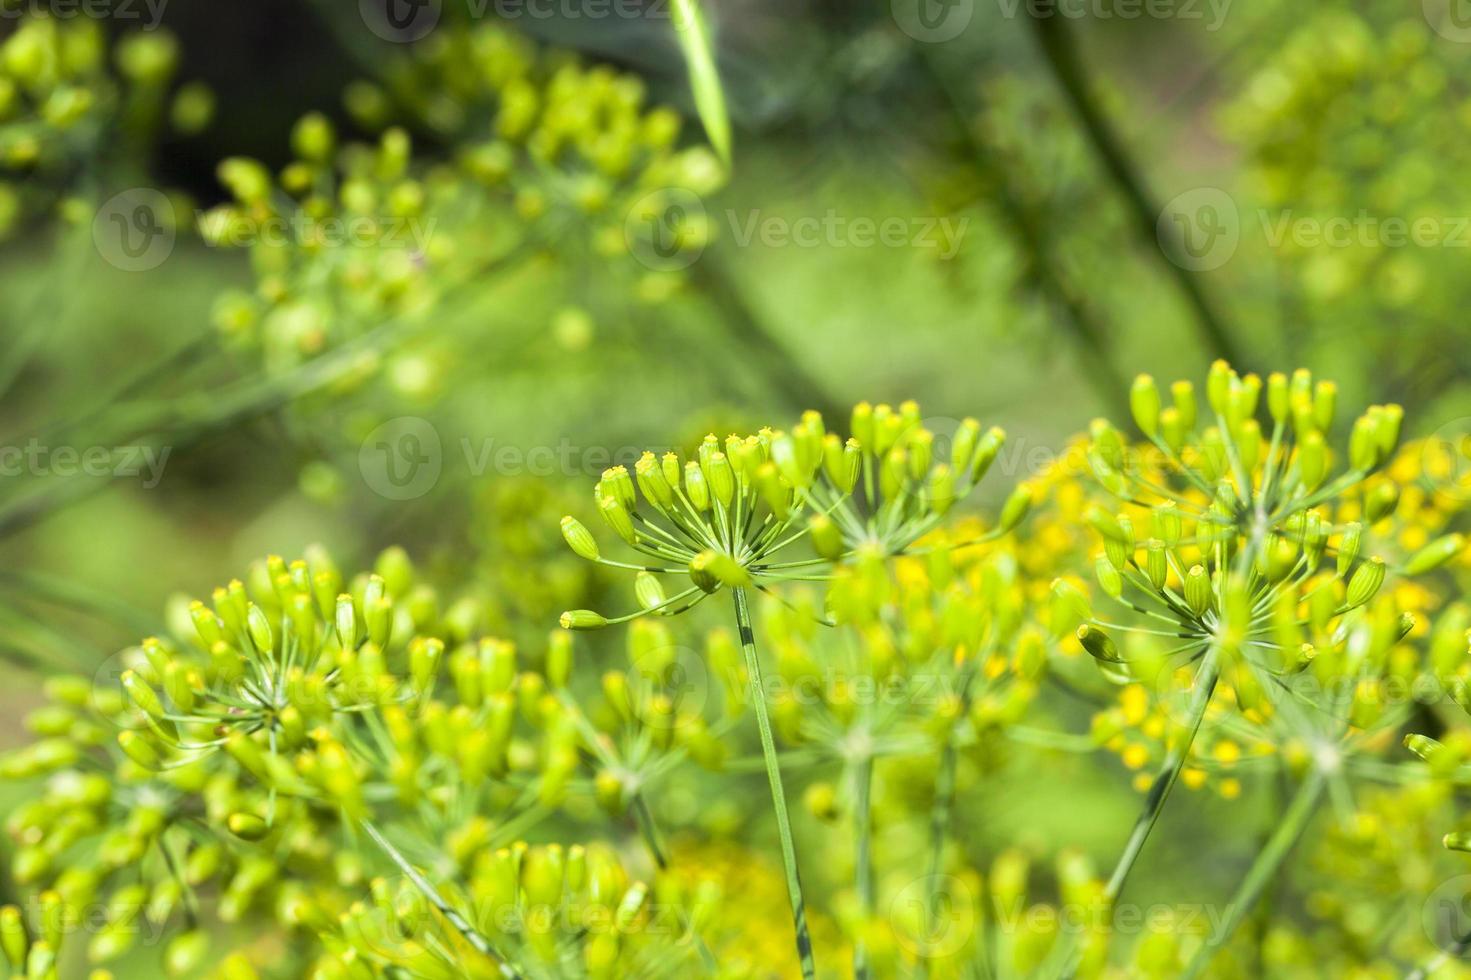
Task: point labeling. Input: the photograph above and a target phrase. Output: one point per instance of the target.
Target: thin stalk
(1159, 792)
(940, 813)
(1263, 869)
(649, 831)
(464, 928)
(863, 859)
(1055, 38)
(773, 775)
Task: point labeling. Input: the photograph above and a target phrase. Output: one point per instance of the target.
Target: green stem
(863, 861)
(940, 813)
(1263, 869)
(472, 936)
(1055, 39)
(773, 775)
(1159, 791)
(649, 831)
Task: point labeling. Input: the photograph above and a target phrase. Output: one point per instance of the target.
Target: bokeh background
(1068, 194)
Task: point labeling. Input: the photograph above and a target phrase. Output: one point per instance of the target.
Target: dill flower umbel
(518, 153)
(728, 517)
(305, 738)
(1225, 559)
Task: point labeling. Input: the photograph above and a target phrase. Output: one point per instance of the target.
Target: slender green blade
(699, 55)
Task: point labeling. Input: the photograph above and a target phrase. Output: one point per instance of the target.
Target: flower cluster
(544, 156)
(297, 714)
(64, 111)
(728, 515)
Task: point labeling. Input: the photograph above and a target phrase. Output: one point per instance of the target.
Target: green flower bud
(1435, 554)
(1070, 607)
(559, 659)
(725, 569)
(1144, 402)
(1197, 590)
(1218, 385)
(13, 936)
(248, 826)
(1108, 577)
(140, 750)
(1365, 582)
(1349, 544)
(618, 517)
(1381, 501)
(827, 538)
(1325, 398)
(1156, 562)
(1014, 511)
(653, 481)
(579, 539)
(1279, 403)
(147, 701)
(582, 619)
(1098, 644)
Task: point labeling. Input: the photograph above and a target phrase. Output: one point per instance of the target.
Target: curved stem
(1263, 869)
(773, 775)
(863, 860)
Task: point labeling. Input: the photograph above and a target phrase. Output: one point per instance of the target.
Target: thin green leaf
(699, 55)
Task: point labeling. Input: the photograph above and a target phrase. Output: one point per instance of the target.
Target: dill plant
(1244, 589)
(729, 517)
